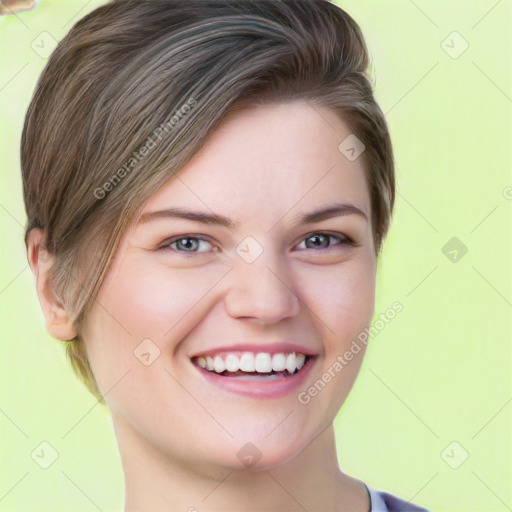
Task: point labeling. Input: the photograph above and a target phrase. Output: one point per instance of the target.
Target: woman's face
(240, 280)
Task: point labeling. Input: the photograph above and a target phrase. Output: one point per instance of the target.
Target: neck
(310, 481)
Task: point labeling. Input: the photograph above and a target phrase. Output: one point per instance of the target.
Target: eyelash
(343, 241)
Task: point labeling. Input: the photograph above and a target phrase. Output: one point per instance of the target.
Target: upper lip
(270, 348)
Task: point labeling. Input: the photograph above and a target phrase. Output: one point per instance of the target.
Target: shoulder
(385, 502)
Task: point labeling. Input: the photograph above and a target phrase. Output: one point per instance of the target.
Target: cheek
(342, 300)
(150, 300)
(341, 297)
(139, 302)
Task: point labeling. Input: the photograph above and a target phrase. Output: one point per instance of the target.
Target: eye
(187, 245)
(190, 245)
(323, 241)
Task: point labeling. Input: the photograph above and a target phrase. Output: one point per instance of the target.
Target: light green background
(438, 373)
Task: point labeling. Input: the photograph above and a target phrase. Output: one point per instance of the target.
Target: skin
(179, 436)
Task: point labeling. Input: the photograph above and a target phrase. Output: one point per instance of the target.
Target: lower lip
(271, 388)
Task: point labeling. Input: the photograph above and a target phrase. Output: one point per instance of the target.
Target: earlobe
(41, 261)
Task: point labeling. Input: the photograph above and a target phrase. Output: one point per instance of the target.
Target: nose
(262, 291)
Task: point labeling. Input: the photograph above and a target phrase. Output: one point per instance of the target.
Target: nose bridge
(261, 286)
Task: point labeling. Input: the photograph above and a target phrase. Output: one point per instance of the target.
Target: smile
(255, 374)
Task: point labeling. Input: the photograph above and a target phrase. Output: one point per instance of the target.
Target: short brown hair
(131, 68)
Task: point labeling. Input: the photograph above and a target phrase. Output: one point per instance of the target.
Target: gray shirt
(384, 502)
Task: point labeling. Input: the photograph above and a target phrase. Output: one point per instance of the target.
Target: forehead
(266, 163)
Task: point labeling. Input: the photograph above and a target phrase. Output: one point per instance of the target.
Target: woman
(208, 185)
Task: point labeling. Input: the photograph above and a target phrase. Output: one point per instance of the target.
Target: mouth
(255, 374)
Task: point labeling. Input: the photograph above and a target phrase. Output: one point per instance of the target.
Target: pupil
(190, 241)
(316, 237)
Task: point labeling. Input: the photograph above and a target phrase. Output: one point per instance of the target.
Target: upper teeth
(261, 362)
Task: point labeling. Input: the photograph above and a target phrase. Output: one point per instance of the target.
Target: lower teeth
(255, 376)
(271, 376)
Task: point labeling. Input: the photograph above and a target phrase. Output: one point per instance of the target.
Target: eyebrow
(323, 213)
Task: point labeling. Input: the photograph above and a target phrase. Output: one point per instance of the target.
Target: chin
(258, 453)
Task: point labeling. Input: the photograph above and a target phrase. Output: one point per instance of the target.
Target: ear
(40, 261)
